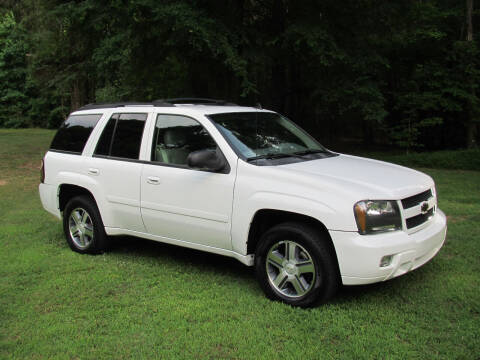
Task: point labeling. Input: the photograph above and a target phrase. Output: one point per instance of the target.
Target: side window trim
(110, 117)
(92, 140)
(115, 116)
(65, 152)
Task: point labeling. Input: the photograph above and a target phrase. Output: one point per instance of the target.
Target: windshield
(261, 134)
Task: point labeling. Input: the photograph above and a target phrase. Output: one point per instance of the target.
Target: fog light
(386, 260)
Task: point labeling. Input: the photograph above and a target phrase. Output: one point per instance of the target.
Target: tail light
(42, 171)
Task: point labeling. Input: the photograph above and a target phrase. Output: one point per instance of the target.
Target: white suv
(241, 182)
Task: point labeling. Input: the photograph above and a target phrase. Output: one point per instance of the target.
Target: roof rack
(197, 101)
(158, 103)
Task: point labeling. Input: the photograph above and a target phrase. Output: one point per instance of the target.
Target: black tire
(98, 242)
(312, 246)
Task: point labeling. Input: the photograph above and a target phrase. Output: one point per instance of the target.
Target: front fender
(245, 210)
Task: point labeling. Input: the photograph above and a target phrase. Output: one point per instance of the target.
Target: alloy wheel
(81, 228)
(290, 269)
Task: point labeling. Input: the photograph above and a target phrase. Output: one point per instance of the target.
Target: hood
(364, 178)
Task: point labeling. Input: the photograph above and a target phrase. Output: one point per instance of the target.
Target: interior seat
(174, 149)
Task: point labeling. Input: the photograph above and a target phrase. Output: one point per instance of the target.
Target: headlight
(374, 216)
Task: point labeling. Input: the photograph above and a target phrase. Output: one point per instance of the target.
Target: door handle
(93, 171)
(153, 180)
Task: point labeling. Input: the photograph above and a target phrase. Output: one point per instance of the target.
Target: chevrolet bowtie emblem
(424, 207)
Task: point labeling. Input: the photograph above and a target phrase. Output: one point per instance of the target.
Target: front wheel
(294, 263)
(83, 226)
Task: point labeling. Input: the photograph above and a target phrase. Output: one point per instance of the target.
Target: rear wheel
(83, 226)
(295, 264)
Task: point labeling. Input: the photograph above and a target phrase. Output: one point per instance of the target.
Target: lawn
(150, 300)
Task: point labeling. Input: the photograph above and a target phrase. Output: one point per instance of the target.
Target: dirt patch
(3, 182)
(456, 219)
(31, 166)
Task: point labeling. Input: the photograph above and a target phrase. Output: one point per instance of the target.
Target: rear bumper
(48, 196)
(359, 255)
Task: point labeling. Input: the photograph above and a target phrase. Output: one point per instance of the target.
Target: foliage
(13, 77)
(390, 73)
(446, 159)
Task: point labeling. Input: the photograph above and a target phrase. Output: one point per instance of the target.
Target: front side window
(74, 133)
(176, 136)
(263, 135)
(122, 136)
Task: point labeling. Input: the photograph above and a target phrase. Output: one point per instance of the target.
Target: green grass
(150, 300)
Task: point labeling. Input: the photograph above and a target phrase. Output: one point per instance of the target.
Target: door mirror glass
(210, 160)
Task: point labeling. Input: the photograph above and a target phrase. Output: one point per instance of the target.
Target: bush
(458, 160)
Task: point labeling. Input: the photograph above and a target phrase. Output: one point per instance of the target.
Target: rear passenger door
(179, 202)
(116, 169)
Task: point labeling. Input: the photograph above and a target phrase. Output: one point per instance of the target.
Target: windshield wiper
(310, 151)
(297, 154)
(275, 156)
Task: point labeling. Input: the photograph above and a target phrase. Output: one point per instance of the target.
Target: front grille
(416, 199)
(419, 219)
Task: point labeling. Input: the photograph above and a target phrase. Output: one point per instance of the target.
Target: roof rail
(198, 101)
(158, 103)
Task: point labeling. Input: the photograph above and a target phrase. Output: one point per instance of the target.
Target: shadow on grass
(357, 293)
(203, 260)
(208, 262)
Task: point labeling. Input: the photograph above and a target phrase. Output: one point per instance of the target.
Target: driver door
(181, 203)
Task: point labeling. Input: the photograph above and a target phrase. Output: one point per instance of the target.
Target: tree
(397, 73)
(13, 74)
(473, 103)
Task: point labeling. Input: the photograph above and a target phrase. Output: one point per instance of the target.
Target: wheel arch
(265, 219)
(99, 241)
(68, 191)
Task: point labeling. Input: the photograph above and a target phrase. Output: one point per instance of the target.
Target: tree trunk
(469, 20)
(278, 22)
(77, 97)
(471, 125)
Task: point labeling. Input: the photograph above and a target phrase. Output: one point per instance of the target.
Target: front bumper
(359, 255)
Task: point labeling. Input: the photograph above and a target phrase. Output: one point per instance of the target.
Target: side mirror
(210, 160)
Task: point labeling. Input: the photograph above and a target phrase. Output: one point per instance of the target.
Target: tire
(295, 263)
(83, 226)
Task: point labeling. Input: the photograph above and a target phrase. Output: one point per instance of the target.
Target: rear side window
(103, 146)
(74, 132)
(122, 136)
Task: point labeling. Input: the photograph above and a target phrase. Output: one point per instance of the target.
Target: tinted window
(128, 136)
(74, 132)
(177, 136)
(103, 145)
